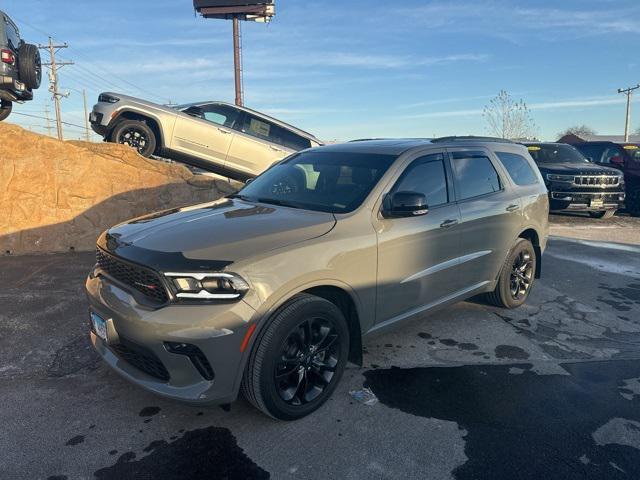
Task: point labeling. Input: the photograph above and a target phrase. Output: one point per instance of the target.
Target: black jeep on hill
(20, 67)
(576, 184)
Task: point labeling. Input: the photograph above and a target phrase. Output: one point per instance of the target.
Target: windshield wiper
(275, 201)
(240, 196)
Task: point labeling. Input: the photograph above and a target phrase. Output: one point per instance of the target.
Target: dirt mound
(56, 196)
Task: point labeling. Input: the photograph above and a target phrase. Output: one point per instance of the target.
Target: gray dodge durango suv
(271, 290)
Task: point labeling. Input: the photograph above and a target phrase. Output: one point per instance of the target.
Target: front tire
(603, 214)
(5, 109)
(517, 276)
(136, 134)
(298, 359)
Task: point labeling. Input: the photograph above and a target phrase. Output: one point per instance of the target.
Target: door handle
(448, 223)
(512, 208)
(275, 149)
(222, 130)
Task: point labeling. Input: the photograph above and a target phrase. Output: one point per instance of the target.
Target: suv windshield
(556, 153)
(332, 182)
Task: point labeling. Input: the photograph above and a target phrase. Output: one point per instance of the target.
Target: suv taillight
(8, 57)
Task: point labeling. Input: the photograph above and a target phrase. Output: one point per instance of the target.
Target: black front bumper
(95, 119)
(582, 201)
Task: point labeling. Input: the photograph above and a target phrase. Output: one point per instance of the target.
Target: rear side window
(288, 139)
(256, 127)
(475, 174)
(518, 167)
(426, 175)
(12, 35)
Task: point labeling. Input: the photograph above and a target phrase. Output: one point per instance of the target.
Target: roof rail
(366, 139)
(471, 138)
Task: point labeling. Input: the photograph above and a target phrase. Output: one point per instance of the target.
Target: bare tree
(508, 118)
(578, 131)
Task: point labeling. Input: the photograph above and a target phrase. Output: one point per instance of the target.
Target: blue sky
(347, 69)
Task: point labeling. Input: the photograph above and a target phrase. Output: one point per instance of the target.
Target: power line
(45, 118)
(88, 61)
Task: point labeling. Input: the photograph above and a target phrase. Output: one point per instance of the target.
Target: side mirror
(405, 204)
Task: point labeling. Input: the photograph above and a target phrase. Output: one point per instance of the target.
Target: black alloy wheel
(134, 138)
(521, 275)
(135, 134)
(308, 360)
(516, 277)
(297, 358)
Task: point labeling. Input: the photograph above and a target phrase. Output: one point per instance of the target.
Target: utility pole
(628, 92)
(237, 59)
(46, 116)
(86, 115)
(53, 80)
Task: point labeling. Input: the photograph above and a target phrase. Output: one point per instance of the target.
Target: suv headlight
(208, 286)
(559, 178)
(103, 97)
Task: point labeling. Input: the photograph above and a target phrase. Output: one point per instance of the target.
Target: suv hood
(577, 169)
(209, 237)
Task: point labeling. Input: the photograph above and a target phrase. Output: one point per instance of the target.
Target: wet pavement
(550, 390)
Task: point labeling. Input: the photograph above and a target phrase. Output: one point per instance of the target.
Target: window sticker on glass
(259, 128)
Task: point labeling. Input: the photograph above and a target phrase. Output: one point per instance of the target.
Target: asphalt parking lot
(550, 390)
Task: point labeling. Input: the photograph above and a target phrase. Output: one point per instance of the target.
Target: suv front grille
(141, 358)
(145, 281)
(596, 180)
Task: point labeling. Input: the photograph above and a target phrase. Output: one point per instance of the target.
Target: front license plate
(99, 326)
(93, 117)
(597, 202)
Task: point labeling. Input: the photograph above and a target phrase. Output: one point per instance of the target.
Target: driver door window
(222, 115)
(426, 175)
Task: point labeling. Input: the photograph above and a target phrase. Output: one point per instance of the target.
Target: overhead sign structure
(236, 10)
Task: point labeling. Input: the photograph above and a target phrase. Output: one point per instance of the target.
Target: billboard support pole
(237, 60)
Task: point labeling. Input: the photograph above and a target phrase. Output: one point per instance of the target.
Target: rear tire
(30, 66)
(298, 359)
(516, 277)
(604, 215)
(136, 134)
(5, 109)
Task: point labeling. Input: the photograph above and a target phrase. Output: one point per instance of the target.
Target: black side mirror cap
(404, 204)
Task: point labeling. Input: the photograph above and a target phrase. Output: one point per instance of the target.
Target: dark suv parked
(623, 156)
(270, 290)
(20, 67)
(576, 184)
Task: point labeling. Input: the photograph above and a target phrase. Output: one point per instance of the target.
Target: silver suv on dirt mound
(271, 290)
(20, 67)
(235, 141)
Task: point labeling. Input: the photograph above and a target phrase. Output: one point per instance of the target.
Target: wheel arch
(151, 121)
(532, 235)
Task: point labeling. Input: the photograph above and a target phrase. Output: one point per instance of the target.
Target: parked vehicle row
(270, 290)
(20, 67)
(624, 157)
(576, 184)
(236, 141)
